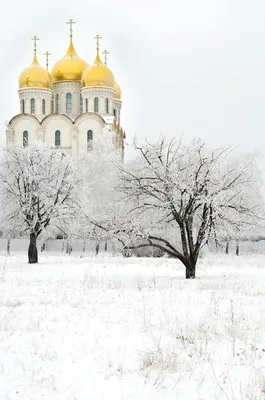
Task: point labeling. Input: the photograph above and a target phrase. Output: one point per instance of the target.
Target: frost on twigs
(100, 200)
(177, 197)
(37, 190)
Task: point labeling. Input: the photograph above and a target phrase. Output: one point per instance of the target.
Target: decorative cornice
(54, 116)
(66, 117)
(35, 93)
(35, 90)
(64, 84)
(91, 92)
(24, 116)
(93, 115)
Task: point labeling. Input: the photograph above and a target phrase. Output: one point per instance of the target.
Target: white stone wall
(73, 133)
(38, 95)
(83, 124)
(62, 88)
(20, 124)
(61, 123)
(117, 107)
(102, 94)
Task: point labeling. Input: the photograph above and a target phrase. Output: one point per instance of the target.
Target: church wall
(25, 124)
(62, 88)
(64, 126)
(83, 127)
(117, 106)
(102, 94)
(38, 95)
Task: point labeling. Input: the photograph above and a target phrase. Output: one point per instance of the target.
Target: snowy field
(76, 328)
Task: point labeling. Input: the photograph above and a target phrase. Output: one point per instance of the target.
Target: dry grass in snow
(112, 328)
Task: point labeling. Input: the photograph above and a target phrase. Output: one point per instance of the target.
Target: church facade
(68, 107)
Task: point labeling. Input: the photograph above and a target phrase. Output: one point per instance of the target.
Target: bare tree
(176, 197)
(37, 189)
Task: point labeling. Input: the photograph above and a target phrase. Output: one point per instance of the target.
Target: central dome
(98, 75)
(70, 67)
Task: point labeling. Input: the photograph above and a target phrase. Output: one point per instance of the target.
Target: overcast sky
(192, 67)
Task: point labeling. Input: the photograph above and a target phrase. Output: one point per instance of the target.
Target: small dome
(117, 91)
(98, 75)
(70, 67)
(35, 76)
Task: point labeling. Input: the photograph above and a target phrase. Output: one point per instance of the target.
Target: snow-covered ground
(76, 328)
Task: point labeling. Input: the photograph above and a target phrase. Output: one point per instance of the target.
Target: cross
(35, 38)
(71, 22)
(97, 37)
(47, 54)
(105, 52)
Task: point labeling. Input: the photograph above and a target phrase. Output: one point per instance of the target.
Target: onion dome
(35, 76)
(117, 91)
(98, 75)
(70, 67)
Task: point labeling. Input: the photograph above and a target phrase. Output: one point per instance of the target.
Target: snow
(110, 328)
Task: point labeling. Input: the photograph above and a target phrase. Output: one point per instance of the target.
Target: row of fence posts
(67, 247)
(227, 247)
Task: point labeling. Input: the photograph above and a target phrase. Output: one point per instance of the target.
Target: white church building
(69, 106)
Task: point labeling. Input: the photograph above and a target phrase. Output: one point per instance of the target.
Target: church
(69, 106)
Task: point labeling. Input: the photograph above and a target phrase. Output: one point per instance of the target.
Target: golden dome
(117, 91)
(70, 67)
(35, 76)
(98, 75)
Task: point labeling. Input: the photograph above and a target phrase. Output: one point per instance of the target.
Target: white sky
(192, 67)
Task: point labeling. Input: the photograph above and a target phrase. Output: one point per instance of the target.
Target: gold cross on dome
(97, 37)
(35, 38)
(71, 22)
(105, 52)
(47, 54)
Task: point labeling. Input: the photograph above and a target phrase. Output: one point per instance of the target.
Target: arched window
(43, 107)
(107, 106)
(89, 135)
(114, 113)
(68, 103)
(96, 104)
(89, 140)
(32, 106)
(57, 108)
(25, 138)
(22, 106)
(86, 105)
(57, 138)
(81, 104)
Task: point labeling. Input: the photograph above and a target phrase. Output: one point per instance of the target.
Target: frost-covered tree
(175, 197)
(37, 190)
(99, 199)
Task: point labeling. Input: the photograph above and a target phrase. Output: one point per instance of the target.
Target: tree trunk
(43, 246)
(227, 247)
(190, 270)
(63, 245)
(69, 247)
(237, 248)
(33, 251)
(8, 246)
(97, 247)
